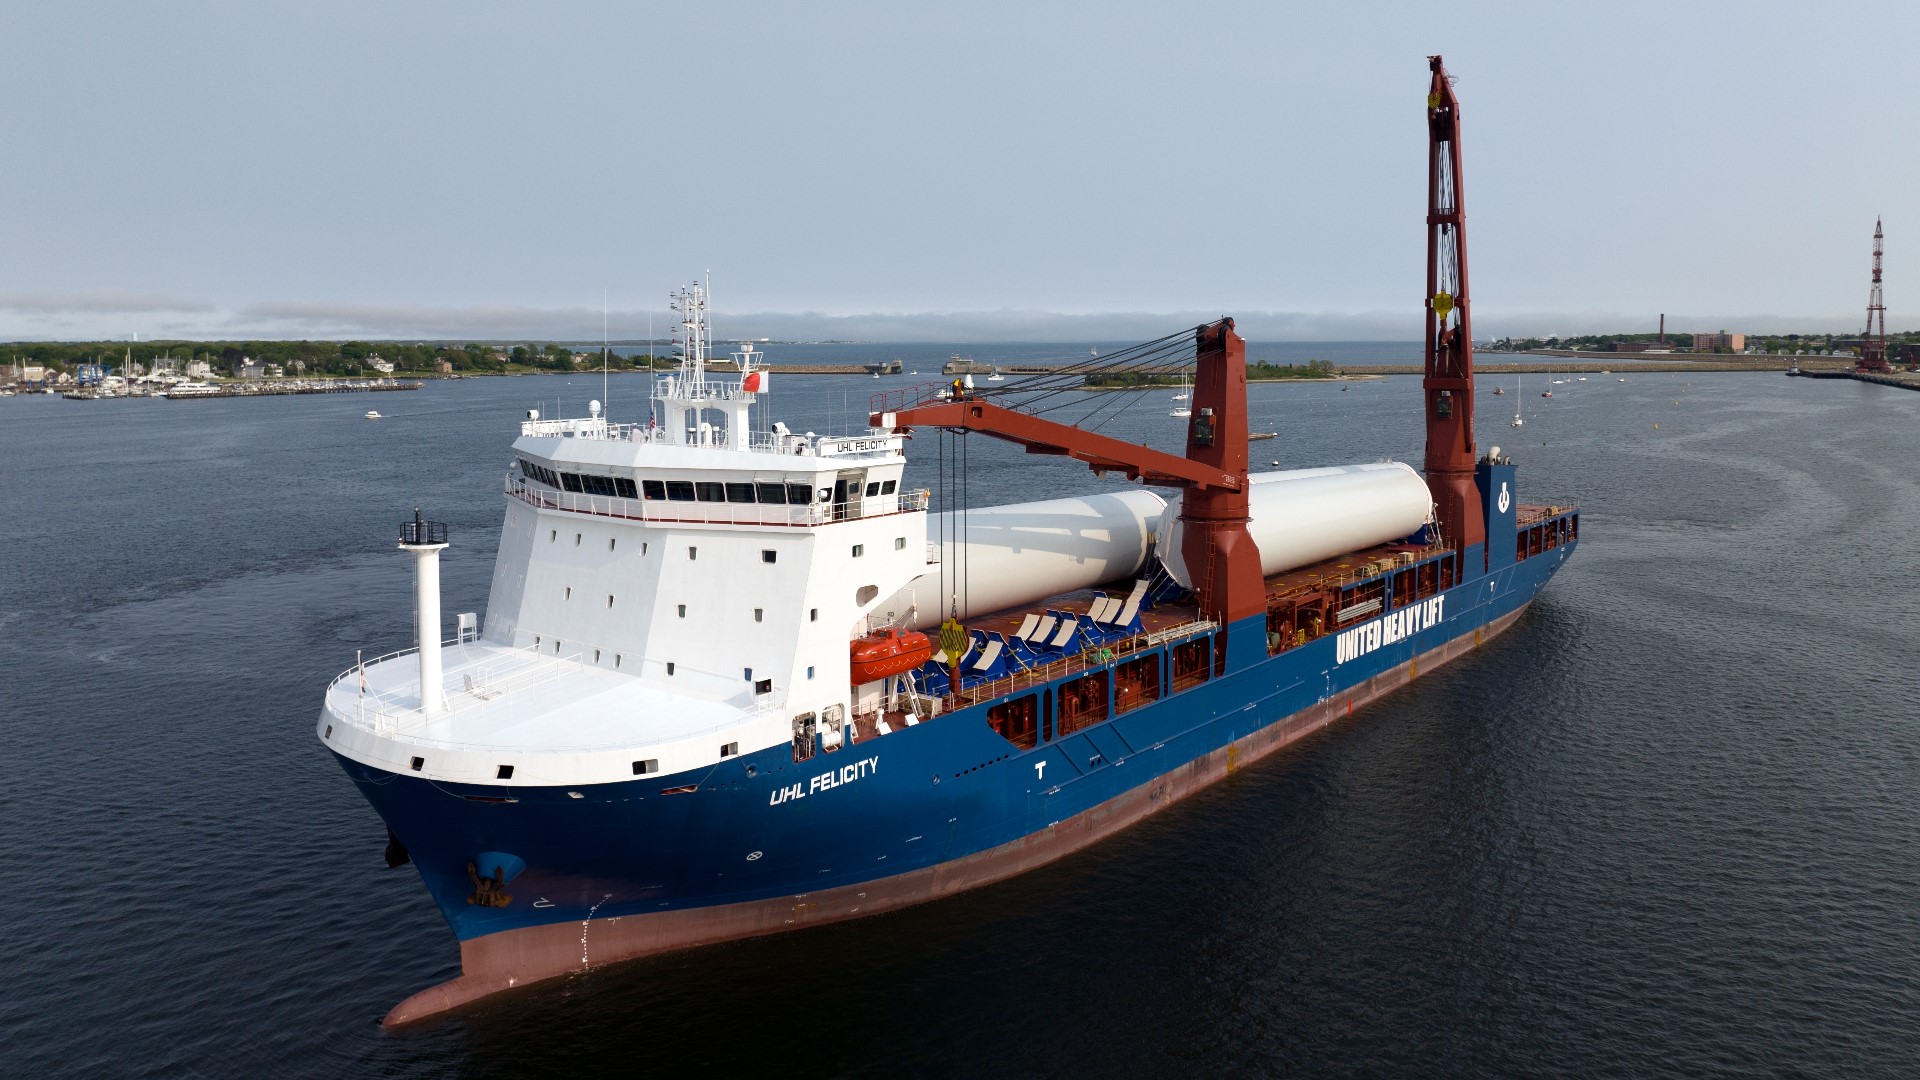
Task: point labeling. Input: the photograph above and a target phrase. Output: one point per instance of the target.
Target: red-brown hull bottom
(514, 958)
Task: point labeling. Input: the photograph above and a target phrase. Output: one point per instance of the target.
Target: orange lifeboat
(888, 652)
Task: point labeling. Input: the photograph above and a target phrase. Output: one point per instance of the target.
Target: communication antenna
(604, 398)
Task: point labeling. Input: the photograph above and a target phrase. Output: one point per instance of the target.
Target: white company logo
(1363, 639)
(1506, 500)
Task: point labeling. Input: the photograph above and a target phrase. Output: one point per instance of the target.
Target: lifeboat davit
(889, 652)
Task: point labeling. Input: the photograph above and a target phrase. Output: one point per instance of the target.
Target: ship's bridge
(772, 477)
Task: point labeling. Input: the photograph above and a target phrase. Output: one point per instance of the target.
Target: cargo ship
(734, 680)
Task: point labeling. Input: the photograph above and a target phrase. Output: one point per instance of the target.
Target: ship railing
(715, 513)
(496, 676)
(474, 683)
(1534, 513)
(1087, 659)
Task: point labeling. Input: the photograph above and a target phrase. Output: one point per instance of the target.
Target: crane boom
(1213, 474)
(1448, 384)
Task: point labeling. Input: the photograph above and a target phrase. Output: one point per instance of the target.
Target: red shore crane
(1873, 343)
(1449, 343)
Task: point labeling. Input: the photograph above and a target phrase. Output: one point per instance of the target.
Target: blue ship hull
(760, 843)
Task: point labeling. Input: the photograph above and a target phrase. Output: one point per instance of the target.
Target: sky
(950, 172)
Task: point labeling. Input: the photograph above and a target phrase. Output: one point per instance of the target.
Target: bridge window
(887, 487)
(654, 489)
(571, 481)
(710, 490)
(800, 494)
(624, 487)
(680, 491)
(740, 493)
(873, 488)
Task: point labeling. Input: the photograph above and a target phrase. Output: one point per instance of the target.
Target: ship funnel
(425, 539)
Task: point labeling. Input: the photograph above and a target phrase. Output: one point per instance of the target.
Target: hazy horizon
(991, 172)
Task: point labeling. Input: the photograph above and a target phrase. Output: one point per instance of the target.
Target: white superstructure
(666, 594)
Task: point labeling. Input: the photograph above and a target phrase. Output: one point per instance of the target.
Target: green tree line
(314, 358)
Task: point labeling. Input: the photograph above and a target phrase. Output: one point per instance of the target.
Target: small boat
(1256, 436)
(886, 653)
(996, 376)
(1516, 405)
(1546, 393)
(1582, 378)
(1180, 410)
(373, 414)
(1498, 391)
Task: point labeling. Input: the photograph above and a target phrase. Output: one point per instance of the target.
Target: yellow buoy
(1656, 427)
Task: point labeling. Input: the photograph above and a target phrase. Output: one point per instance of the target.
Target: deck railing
(1088, 658)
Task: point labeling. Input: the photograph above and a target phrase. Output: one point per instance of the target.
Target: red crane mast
(1449, 342)
(1873, 343)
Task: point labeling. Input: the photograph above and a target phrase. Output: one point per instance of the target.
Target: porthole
(610, 542)
(683, 611)
(576, 539)
(859, 550)
(692, 553)
(669, 667)
(596, 656)
(650, 765)
(729, 749)
(899, 543)
(569, 594)
(758, 614)
(609, 599)
(813, 614)
(552, 535)
(768, 555)
(418, 763)
(504, 772)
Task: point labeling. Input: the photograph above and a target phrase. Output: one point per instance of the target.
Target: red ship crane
(1449, 348)
(1873, 342)
(1227, 580)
